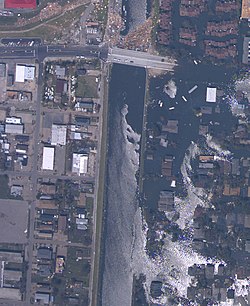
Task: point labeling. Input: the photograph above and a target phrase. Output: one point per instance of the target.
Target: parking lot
(13, 221)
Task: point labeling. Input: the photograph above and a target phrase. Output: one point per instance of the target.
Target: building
(13, 120)
(48, 158)
(60, 72)
(20, 4)
(85, 106)
(44, 253)
(10, 294)
(61, 86)
(83, 121)
(58, 134)
(246, 50)
(43, 297)
(60, 263)
(80, 163)
(245, 9)
(166, 201)
(10, 79)
(2, 70)
(15, 257)
(211, 94)
(24, 73)
(14, 128)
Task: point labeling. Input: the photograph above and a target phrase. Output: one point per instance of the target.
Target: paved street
(141, 59)
(41, 52)
(34, 177)
(115, 55)
(40, 174)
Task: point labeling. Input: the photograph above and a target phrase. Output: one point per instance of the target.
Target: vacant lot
(86, 87)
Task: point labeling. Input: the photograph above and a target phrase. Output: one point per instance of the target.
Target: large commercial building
(80, 163)
(24, 73)
(58, 134)
(48, 158)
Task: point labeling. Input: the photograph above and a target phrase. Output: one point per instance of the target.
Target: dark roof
(60, 86)
(22, 138)
(82, 120)
(155, 289)
(21, 146)
(44, 253)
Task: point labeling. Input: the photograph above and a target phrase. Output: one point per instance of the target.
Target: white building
(48, 158)
(211, 94)
(80, 163)
(14, 128)
(24, 73)
(13, 120)
(58, 134)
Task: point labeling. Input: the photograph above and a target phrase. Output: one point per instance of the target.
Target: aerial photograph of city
(125, 152)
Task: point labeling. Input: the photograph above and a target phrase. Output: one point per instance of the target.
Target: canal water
(126, 98)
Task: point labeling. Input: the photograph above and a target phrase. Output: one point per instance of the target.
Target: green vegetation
(143, 140)
(155, 13)
(100, 195)
(4, 190)
(49, 30)
(77, 268)
(86, 87)
(89, 205)
(102, 12)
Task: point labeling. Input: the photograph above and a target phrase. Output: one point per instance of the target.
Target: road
(40, 174)
(43, 51)
(33, 178)
(115, 55)
(141, 59)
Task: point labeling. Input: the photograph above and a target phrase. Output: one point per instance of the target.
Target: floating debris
(170, 89)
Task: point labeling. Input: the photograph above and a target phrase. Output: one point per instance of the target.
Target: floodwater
(125, 235)
(126, 97)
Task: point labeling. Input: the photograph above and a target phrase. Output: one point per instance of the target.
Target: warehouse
(24, 73)
(48, 158)
(59, 133)
(80, 163)
(10, 294)
(14, 128)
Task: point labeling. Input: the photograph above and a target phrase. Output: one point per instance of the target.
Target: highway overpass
(141, 59)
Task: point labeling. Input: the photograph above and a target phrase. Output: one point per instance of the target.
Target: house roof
(20, 4)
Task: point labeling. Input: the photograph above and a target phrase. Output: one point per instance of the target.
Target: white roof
(29, 73)
(20, 72)
(59, 133)
(48, 158)
(80, 163)
(211, 94)
(24, 73)
(14, 120)
(14, 128)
